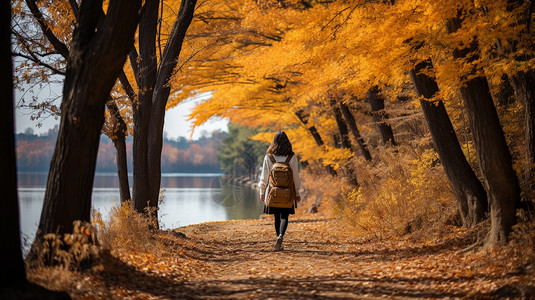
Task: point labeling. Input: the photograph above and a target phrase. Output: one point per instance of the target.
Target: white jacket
(266, 169)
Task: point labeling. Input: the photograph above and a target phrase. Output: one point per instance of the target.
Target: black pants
(281, 223)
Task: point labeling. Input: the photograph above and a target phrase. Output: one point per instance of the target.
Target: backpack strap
(289, 158)
(272, 158)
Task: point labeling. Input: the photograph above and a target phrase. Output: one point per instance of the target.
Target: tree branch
(33, 58)
(127, 87)
(75, 8)
(56, 43)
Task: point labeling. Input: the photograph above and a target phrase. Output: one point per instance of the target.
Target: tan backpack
(281, 184)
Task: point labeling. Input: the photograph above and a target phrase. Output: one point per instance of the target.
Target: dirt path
(229, 260)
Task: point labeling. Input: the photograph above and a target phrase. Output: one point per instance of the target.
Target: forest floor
(235, 260)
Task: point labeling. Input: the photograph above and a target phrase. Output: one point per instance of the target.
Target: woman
(279, 149)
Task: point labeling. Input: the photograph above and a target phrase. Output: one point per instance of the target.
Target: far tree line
(34, 152)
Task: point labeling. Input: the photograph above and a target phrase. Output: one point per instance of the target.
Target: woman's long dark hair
(280, 145)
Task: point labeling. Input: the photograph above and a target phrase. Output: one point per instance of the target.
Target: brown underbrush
(125, 229)
(403, 191)
(55, 258)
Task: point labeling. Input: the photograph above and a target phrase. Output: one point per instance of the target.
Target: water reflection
(188, 199)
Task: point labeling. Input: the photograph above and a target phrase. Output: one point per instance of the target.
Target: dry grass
(522, 243)
(57, 259)
(54, 261)
(125, 230)
(403, 191)
(69, 251)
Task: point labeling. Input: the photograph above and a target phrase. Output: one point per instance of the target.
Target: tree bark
(95, 60)
(161, 94)
(312, 129)
(118, 139)
(12, 273)
(524, 86)
(493, 153)
(505, 94)
(350, 120)
(468, 190)
(146, 78)
(344, 140)
(342, 127)
(380, 117)
(523, 83)
(315, 134)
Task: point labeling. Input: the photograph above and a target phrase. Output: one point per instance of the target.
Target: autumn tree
(352, 46)
(523, 79)
(47, 52)
(94, 62)
(468, 190)
(152, 77)
(493, 153)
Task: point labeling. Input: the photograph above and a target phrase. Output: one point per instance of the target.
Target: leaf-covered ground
(235, 259)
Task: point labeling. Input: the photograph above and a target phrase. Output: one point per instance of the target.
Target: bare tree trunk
(494, 157)
(468, 190)
(146, 78)
(524, 85)
(380, 117)
(95, 60)
(356, 133)
(161, 94)
(118, 139)
(12, 273)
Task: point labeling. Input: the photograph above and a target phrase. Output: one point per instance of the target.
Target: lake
(188, 199)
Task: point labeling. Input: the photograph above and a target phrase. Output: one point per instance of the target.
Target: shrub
(402, 192)
(69, 251)
(125, 229)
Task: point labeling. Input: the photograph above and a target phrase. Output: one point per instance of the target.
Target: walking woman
(279, 156)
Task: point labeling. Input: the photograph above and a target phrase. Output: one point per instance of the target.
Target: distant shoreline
(164, 174)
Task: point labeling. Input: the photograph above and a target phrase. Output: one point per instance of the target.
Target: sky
(175, 125)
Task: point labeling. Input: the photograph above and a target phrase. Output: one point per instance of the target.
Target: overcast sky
(176, 123)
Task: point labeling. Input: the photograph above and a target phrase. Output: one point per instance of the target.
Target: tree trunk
(523, 83)
(344, 140)
(505, 94)
(118, 139)
(342, 127)
(12, 273)
(161, 94)
(13, 283)
(146, 78)
(312, 129)
(380, 117)
(524, 86)
(468, 190)
(356, 133)
(95, 60)
(315, 134)
(494, 157)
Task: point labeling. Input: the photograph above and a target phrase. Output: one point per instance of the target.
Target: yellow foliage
(403, 193)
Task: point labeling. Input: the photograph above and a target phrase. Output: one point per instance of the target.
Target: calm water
(188, 199)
